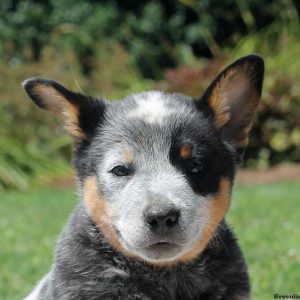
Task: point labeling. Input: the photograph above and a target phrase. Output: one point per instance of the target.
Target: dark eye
(196, 168)
(120, 171)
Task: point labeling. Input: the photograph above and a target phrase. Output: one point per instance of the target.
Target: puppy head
(156, 169)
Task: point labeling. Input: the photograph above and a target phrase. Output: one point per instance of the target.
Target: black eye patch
(189, 158)
(203, 168)
(196, 168)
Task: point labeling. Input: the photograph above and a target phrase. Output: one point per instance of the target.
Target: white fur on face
(151, 109)
(146, 128)
(157, 180)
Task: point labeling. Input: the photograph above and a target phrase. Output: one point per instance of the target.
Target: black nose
(161, 218)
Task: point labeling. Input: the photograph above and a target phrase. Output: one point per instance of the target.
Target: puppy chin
(159, 253)
(165, 251)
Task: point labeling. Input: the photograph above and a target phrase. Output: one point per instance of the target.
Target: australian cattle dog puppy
(155, 173)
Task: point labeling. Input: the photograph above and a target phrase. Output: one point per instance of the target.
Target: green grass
(29, 225)
(265, 218)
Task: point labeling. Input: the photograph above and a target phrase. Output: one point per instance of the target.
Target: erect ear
(80, 114)
(233, 98)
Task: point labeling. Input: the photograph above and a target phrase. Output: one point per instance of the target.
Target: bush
(33, 144)
(110, 47)
(152, 31)
(275, 136)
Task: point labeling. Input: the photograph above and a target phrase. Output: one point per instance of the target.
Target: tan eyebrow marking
(186, 151)
(128, 155)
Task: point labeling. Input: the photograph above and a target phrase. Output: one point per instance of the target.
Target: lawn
(266, 219)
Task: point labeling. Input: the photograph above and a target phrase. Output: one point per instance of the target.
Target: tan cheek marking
(58, 105)
(185, 151)
(218, 208)
(97, 208)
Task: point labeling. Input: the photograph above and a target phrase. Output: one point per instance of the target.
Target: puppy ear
(233, 98)
(80, 114)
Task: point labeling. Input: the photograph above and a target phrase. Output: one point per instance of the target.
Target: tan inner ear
(66, 111)
(217, 209)
(248, 113)
(233, 85)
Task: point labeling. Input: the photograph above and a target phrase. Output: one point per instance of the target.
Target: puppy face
(159, 167)
(156, 169)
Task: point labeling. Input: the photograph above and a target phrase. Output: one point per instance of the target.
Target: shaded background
(113, 48)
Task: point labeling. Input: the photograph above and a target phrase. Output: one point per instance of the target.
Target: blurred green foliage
(119, 47)
(33, 144)
(275, 136)
(276, 133)
(152, 31)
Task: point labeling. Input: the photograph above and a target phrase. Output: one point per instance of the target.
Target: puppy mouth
(163, 245)
(162, 250)
(166, 249)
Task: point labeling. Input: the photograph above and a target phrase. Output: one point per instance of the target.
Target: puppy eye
(196, 168)
(120, 171)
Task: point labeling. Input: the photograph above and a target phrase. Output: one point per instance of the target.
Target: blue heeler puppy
(155, 173)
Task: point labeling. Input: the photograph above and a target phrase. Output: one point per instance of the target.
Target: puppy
(155, 173)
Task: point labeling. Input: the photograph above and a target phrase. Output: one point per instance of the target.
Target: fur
(155, 173)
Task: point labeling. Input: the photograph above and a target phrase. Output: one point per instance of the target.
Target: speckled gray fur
(153, 126)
